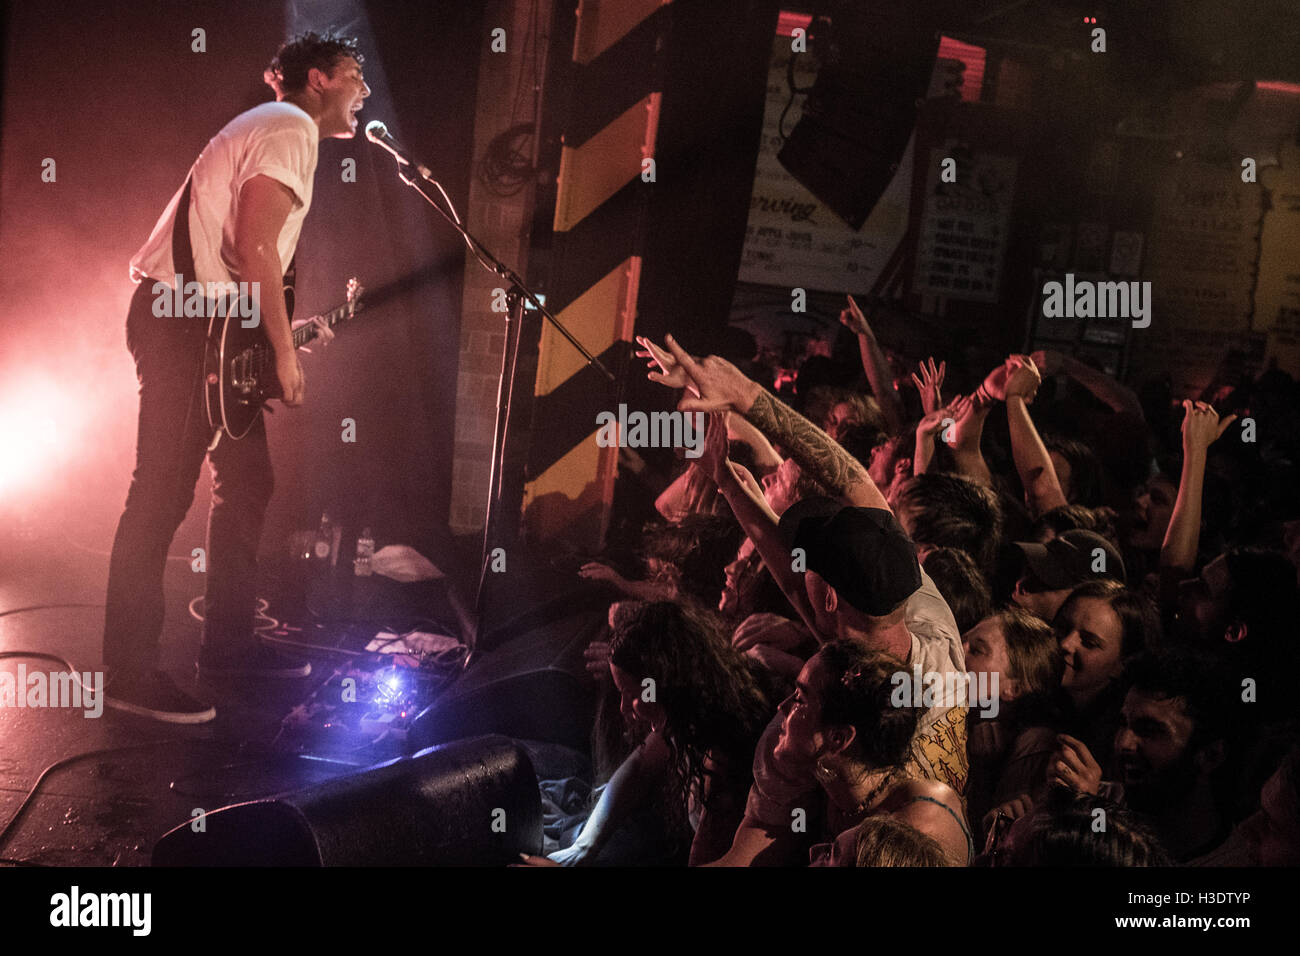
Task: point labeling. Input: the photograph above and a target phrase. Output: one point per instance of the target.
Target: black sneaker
(263, 662)
(156, 696)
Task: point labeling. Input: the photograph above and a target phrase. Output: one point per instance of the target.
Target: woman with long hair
(843, 718)
(708, 703)
(1018, 656)
(699, 707)
(1100, 628)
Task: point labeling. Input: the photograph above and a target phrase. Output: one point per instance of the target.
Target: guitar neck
(306, 333)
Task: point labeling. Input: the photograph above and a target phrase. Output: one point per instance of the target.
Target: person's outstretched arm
(756, 516)
(1033, 463)
(942, 422)
(876, 366)
(1119, 397)
(816, 453)
(1201, 428)
(766, 460)
(968, 433)
(656, 590)
(721, 387)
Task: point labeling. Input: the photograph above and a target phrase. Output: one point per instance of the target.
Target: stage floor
(107, 810)
(110, 808)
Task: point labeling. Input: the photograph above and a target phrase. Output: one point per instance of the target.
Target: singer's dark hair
(300, 54)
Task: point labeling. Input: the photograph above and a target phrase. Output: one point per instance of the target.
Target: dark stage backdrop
(115, 95)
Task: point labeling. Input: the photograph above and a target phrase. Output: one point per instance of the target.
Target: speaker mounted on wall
(876, 61)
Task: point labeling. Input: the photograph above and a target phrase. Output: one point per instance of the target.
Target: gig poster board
(1277, 296)
(791, 238)
(964, 224)
(1202, 255)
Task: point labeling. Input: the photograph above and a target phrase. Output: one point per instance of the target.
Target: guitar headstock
(355, 290)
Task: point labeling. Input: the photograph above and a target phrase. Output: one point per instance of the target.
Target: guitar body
(234, 399)
(239, 372)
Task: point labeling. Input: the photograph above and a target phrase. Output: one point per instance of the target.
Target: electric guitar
(239, 364)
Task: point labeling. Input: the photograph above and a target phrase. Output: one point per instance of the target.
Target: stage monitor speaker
(469, 803)
(876, 62)
(534, 686)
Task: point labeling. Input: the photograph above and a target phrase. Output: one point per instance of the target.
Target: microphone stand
(516, 295)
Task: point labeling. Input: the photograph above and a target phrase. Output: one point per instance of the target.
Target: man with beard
(1171, 745)
(1240, 608)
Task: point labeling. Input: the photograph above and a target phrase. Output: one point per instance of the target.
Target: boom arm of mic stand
(411, 177)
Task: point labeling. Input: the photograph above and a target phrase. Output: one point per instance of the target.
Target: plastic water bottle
(365, 551)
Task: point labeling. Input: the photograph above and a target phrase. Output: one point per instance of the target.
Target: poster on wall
(1202, 258)
(964, 224)
(1277, 297)
(793, 239)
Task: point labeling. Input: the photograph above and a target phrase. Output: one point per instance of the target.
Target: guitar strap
(183, 252)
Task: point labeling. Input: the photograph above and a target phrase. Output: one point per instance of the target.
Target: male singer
(236, 218)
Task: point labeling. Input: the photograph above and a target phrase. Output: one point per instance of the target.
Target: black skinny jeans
(171, 444)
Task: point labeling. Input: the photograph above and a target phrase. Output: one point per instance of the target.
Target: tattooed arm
(816, 452)
(722, 386)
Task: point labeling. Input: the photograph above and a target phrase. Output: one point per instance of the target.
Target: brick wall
(501, 224)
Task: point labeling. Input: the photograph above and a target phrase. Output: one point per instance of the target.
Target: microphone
(378, 134)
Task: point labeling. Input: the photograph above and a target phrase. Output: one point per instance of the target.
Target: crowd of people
(962, 617)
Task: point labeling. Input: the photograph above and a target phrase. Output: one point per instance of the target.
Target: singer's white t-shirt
(275, 139)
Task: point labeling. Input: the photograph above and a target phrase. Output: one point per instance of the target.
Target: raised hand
(1049, 361)
(853, 319)
(932, 422)
(1073, 766)
(671, 372)
(1202, 426)
(995, 383)
(928, 384)
(596, 571)
(967, 415)
(721, 386)
(747, 480)
(713, 456)
(1023, 378)
(957, 410)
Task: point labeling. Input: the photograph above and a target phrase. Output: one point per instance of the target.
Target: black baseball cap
(1069, 559)
(863, 553)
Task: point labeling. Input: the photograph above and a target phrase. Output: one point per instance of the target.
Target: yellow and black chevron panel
(600, 208)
